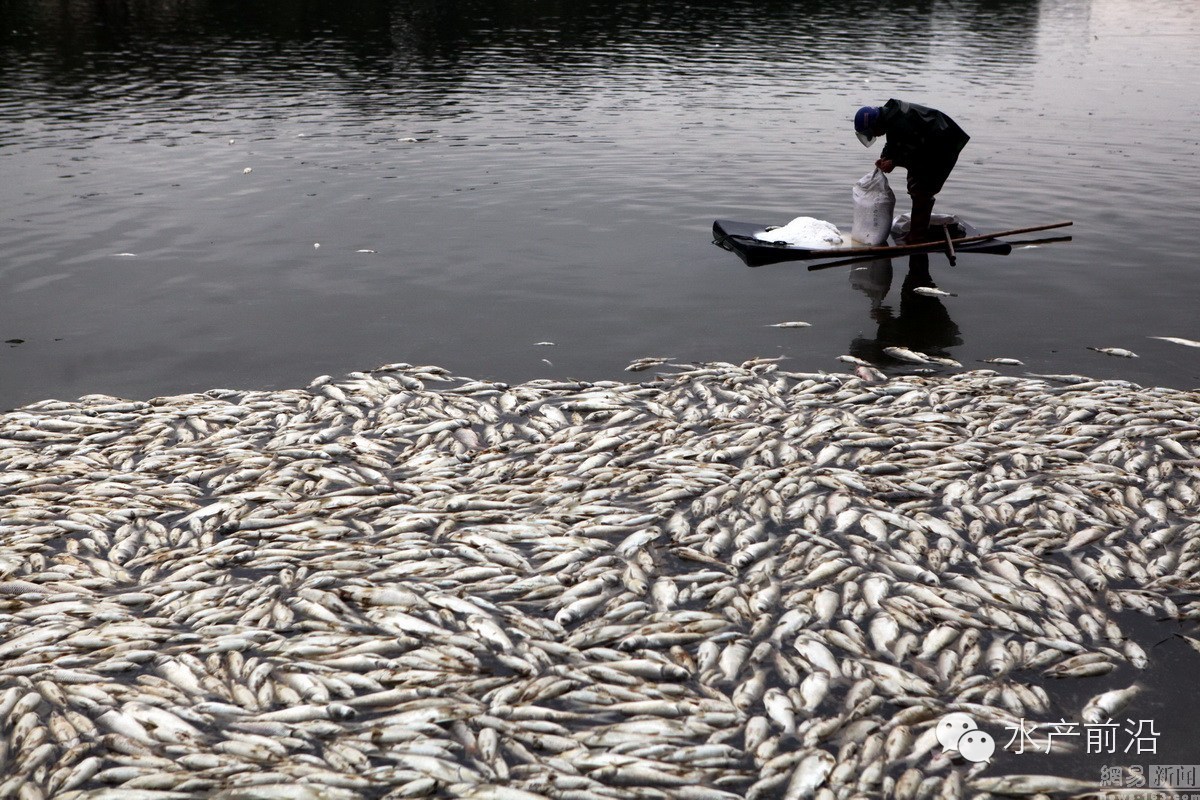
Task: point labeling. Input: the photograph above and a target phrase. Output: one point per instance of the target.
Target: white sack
(874, 203)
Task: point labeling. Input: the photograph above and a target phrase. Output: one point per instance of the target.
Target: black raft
(739, 237)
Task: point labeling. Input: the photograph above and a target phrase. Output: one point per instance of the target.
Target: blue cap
(865, 119)
(864, 124)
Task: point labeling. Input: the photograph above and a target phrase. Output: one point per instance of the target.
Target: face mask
(865, 138)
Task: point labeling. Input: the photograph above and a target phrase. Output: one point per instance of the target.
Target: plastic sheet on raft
(808, 232)
(874, 202)
(902, 224)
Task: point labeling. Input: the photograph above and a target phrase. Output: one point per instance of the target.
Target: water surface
(534, 171)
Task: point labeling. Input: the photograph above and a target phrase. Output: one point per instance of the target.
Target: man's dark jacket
(923, 140)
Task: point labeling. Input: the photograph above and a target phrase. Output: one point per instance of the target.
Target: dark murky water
(568, 163)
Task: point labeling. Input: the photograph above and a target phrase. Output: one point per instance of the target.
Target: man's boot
(922, 210)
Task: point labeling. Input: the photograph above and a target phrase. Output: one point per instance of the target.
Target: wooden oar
(1000, 248)
(1033, 242)
(997, 249)
(949, 244)
(917, 247)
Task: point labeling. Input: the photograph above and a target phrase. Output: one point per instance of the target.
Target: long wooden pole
(1002, 249)
(1033, 242)
(905, 248)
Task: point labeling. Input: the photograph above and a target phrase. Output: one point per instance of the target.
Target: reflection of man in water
(922, 324)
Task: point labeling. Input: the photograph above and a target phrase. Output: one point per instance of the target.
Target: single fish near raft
(796, 324)
(1177, 340)
(543, 344)
(1012, 362)
(904, 354)
(931, 291)
(1115, 351)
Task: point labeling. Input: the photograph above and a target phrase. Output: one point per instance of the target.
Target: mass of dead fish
(726, 581)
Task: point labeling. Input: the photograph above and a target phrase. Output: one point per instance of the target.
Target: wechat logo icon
(959, 732)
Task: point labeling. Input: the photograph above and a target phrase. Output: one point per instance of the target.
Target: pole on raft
(913, 248)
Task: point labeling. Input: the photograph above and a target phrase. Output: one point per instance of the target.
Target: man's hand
(885, 164)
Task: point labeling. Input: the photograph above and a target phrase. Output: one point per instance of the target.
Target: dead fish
(795, 324)
(1026, 785)
(1106, 705)
(731, 580)
(932, 291)
(645, 363)
(904, 354)
(1115, 351)
(1177, 340)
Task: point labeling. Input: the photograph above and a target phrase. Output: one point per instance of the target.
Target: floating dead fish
(1108, 704)
(726, 581)
(641, 364)
(1115, 351)
(932, 291)
(1177, 340)
(793, 324)
(904, 354)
